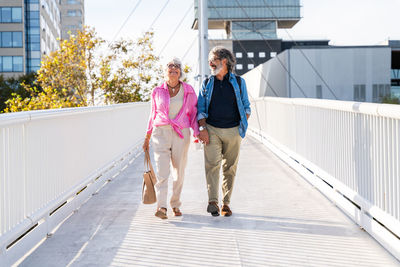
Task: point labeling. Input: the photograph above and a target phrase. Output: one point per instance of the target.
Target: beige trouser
(224, 147)
(169, 148)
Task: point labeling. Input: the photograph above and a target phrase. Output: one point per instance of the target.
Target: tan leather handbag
(149, 181)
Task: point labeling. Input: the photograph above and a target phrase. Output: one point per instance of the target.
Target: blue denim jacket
(242, 99)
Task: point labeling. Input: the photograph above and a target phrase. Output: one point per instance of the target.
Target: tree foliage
(88, 71)
(11, 86)
(390, 100)
(48, 98)
(131, 69)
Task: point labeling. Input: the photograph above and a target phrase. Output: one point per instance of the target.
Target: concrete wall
(335, 69)
(270, 78)
(340, 69)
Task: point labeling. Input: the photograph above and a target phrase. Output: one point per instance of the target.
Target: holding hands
(203, 136)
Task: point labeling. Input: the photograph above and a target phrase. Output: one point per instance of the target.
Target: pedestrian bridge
(318, 184)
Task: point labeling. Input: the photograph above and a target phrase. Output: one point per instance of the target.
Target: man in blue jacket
(223, 109)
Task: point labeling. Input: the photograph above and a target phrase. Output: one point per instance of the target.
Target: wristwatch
(201, 128)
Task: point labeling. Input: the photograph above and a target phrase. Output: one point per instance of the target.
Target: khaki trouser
(169, 148)
(224, 147)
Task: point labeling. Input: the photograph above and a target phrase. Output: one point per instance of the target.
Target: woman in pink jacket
(173, 112)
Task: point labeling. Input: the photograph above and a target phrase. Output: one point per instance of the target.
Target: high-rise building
(30, 29)
(250, 27)
(72, 17)
(42, 30)
(11, 37)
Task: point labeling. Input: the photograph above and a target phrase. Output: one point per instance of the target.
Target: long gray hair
(221, 52)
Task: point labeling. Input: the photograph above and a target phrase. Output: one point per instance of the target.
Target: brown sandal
(161, 213)
(176, 212)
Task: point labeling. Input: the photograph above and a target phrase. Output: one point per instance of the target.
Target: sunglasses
(212, 60)
(172, 65)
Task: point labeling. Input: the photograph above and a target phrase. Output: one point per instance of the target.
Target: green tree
(48, 98)
(15, 86)
(131, 69)
(88, 71)
(390, 100)
(68, 68)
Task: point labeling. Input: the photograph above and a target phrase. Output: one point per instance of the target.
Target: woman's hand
(146, 144)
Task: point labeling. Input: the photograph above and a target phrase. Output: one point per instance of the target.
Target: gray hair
(176, 61)
(221, 52)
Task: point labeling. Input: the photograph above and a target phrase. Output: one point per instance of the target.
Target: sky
(343, 22)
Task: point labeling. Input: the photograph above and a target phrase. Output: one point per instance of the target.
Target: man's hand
(204, 138)
(247, 116)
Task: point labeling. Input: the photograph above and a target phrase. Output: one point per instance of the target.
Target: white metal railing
(47, 158)
(351, 150)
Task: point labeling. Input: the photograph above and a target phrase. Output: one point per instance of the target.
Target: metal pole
(203, 40)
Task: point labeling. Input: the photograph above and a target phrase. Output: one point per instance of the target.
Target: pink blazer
(187, 116)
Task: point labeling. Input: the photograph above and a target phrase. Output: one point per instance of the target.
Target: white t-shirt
(176, 103)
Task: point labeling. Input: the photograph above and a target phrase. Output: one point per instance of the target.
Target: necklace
(173, 88)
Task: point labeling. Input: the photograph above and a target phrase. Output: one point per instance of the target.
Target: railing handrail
(25, 116)
(51, 161)
(384, 110)
(348, 150)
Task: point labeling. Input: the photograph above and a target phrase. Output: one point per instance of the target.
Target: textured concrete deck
(279, 220)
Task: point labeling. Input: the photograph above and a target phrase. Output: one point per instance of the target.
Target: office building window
(261, 55)
(239, 54)
(32, 35)
(17, 39)
(10, 39)
(34, 23)
(6, 39)
(250, 54)
(239, 66)
(33, 15)
(16, 15)
(74, 13)
(17, 64)
(375, 97)
(359, 93)
(319, 91)
(272, 54)
(10, 14)
(11, 64)
(6, 14)
(250, 66)
(7, 64)
(379, 91)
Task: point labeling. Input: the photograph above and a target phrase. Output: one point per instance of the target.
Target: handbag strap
(147, 161)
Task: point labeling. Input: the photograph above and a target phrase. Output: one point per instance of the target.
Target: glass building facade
(32, 35)
(72, 14)
(251, 27)
(29, 29)
(11, 39)
(251, 19)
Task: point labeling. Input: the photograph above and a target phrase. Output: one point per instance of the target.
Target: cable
(302, 52)
(177, 27)
(270, 47)
(190, 47)
(162, 9)
(123, 24)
